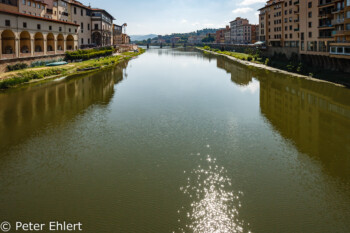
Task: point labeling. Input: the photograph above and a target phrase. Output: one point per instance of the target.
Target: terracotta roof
(37, 17)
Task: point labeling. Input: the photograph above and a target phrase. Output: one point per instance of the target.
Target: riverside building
(44, 28)
(317, 30)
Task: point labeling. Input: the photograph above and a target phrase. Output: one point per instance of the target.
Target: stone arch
(8, 42)
(50, 42)
(25, 42)
(70, 42)
(60, 42)
(39, 42)
(97, 38)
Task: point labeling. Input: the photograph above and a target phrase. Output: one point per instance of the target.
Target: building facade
(102, 27)
(117, 34)
(314, 28)
(241, 31)
(24, 35)
(31, 28)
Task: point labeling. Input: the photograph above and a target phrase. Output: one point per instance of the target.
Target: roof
(37, 17)
(97, 9)
(77, 3)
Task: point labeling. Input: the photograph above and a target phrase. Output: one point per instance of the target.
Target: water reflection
(314, 116)
(25, 111)
(239, 73)
(214, 205)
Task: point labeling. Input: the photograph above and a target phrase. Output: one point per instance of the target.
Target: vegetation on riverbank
(11, 79)
(87, 54)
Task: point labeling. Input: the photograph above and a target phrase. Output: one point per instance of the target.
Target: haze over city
(166, 17)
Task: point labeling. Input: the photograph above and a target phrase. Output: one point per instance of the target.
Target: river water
(177, 141)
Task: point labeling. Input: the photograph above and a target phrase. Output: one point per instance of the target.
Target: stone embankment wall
(27, 60)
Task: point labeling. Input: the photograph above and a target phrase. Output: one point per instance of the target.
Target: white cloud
(251, 2)
(242, 10)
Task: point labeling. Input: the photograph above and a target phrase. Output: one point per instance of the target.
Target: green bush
(89, 53)
(19, 66)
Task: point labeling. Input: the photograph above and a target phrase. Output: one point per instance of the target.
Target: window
(310, 24)
(96, 26)
(70, 30)
(34, 5)
(348, 26)
(50, 28)
(60, 29)
(310, 4)
(75, 10)
(29, 3)
(24, 2)
(348, 14)
(7, 23)
(38, 26)
(82, 40)
(310, 34)
(24, 25)
(82, 12)
(310, 14)
(302, 46)
(89, 27)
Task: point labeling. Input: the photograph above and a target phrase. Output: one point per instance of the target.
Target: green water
(177, 141)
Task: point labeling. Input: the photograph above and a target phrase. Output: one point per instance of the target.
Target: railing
(341, 32)
(336, 10)
(337, 21)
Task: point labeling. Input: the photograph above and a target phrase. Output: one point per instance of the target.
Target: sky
(177, 16)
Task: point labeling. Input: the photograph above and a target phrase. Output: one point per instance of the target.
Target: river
(177, 141)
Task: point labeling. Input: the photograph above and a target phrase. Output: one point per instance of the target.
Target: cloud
(184, 21)
(242, 10)
(251, 2)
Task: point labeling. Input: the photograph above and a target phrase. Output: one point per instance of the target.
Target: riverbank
(259, 65)
(31, 75)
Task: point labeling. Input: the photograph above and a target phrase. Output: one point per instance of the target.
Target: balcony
(296, 29)
(338, 33)
(296, 2)
(337, 21)
(325, 26)
(338, 10)
(326, 3)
